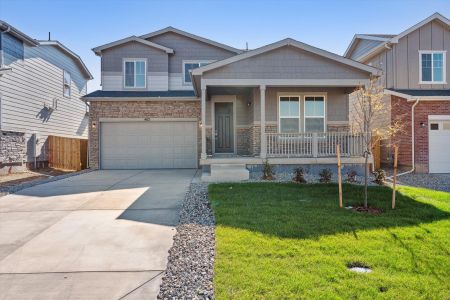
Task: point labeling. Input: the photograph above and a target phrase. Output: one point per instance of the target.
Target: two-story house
(41, 85)
(415, 69)
(171, 99)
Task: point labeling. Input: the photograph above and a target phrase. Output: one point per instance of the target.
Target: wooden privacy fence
(67, 153)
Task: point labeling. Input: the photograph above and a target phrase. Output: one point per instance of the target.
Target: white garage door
(439, 147)
(148, 145)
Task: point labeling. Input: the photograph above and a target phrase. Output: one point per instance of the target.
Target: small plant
(380, 176)
(267, 170)
(351, 176)
(325, 176)
(299, 175)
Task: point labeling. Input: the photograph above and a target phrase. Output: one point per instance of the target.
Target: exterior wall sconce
(249, 103)
(422, 125)
(200, 124)
(94, 124)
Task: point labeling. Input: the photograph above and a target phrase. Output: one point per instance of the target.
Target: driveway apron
(98, 235)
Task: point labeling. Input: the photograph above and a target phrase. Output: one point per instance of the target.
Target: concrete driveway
(99, 235)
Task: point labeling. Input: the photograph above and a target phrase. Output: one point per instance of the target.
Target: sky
(84, 24)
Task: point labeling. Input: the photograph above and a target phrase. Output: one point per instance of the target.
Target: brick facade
(137, 109)
(401, 110)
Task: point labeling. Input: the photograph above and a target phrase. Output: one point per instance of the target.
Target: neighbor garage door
(148, 145)
(439, 146)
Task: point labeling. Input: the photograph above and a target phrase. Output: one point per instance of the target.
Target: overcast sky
(330, 25)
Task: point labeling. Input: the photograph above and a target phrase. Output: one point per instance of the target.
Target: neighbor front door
(224, 131)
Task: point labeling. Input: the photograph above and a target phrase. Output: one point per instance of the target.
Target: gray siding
(286, 63)
(401, 63)
(36, 81)
(186, 48)
(364, 46)
(112, 66)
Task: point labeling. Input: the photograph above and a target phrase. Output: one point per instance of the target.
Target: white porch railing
(314, 144)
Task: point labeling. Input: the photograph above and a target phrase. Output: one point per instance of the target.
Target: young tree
(370, 109)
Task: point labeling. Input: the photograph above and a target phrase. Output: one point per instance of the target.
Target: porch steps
(226, 173)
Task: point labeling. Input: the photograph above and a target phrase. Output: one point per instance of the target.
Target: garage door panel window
(135, 75)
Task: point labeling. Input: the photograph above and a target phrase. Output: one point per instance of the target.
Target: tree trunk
(366, 178)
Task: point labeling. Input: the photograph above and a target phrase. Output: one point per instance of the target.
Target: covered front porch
(287, 102)
(301, 125)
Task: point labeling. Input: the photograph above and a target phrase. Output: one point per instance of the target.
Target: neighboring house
(417, 89)
(41, 85)
(171, 99)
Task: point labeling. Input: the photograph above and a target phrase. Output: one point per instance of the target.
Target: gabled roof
(192, 36)
(70, 53)
(98, 50)
(288, 42)
(5, 27)
(423, 95)
(391, 39)
(372, 37)
(435, 16)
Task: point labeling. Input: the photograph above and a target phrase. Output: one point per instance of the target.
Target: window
(434, 126)
(66, 83)
(190, 65)
(289, 110)
(432, 67)
(314, 114)
(135, 74)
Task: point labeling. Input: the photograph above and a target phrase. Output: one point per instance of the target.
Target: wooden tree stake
(338, 152)
(395, 176)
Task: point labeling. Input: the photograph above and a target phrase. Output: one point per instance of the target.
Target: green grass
(292, 241)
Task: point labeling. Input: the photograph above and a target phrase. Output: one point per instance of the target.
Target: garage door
(439, 146)
(148, 145)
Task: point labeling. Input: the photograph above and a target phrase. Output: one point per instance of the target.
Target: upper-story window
(135, 75)
(432, 67)
(189, 65)
(66, 83)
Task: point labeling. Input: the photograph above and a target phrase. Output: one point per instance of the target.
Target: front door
(224, 131)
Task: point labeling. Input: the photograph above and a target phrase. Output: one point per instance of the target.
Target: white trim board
(98, 50)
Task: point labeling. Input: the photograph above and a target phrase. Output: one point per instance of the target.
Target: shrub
(380, 176)
(325, 176)
(351, 176)
(267, 170)
(299, 175)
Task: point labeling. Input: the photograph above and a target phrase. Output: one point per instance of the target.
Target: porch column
(262, 89)
(203, 111)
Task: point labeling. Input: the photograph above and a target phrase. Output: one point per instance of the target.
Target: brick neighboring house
(171, 99)
(415, 67)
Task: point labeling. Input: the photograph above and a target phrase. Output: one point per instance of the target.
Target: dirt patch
(370, 210)
(18, 178)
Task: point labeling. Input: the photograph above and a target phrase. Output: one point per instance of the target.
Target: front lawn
(292, 241)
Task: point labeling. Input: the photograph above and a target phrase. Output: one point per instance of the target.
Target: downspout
(412, 140)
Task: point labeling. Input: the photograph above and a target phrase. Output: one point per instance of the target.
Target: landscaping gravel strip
(439, 182)
(190, 269)
(13, 189)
